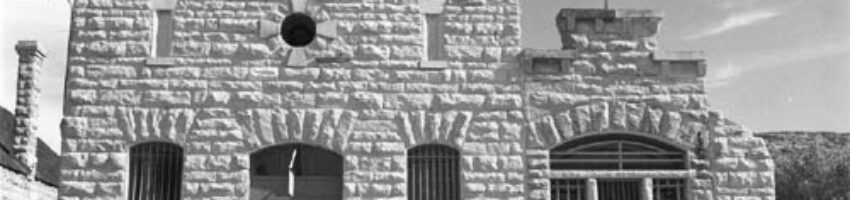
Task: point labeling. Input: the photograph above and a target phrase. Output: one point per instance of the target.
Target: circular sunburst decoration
(306, 27)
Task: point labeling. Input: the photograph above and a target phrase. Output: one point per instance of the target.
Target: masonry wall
(17, 186)
(611, 77)
(369, 94)
(230, 92)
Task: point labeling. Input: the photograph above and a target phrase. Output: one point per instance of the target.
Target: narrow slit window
(164, 33)
(434, 39)
(433, 173)
(156, 171)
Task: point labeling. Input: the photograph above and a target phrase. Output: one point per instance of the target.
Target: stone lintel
(678, 55)
(431, 6)
(681, 63)
(609, 13)
(160, 61)
(163, 4)
(547, 53)
(433, 64)
(469, 2)
(622, 174)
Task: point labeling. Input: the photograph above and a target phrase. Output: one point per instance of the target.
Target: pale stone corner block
(163, 4)
(431, 6)
(160, 61)
(298, 58)
(432, 64)
(327, 29)
(269, 28)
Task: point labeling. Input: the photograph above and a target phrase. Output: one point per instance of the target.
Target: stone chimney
(30, 59)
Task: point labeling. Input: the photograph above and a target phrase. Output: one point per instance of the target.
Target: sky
(772, 64)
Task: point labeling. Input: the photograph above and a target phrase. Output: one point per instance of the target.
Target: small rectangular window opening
(546, 65)
(434, 38)
(164, 34)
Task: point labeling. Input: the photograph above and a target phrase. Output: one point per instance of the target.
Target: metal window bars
(156, 171)
(619, 189)
(568, 189)
(433, 173)
(296, 171)
(668, 189)
(617, 152)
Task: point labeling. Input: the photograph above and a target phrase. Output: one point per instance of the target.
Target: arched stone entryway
(296, 171)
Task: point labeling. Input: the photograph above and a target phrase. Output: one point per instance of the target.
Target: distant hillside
(810, 165)
(794, 140)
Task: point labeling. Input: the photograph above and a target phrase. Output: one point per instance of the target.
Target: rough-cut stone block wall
(608, 80)
(366, 95)
(230, 92)
(17, 186)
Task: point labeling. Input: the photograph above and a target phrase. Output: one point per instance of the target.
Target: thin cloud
(723, 75)
(757, 61)
(734, 4)
(737, 21)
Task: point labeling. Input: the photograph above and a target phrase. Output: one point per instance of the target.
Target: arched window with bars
(433, 173)
(619, 166)
(296, 171)
(156, 171)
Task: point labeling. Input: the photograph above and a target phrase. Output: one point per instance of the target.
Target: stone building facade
(376, 84)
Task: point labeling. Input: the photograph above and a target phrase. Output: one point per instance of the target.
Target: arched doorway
(296, 171)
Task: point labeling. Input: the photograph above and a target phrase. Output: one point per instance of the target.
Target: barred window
(617, 189)
(618, 152)
(607, 156)
(668, 189)
(568, 189)
(156, 171)
(433, 173)
(296, 171)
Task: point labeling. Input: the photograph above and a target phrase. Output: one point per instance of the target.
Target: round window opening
(298, 29)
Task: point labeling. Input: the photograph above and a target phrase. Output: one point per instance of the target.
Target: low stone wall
(14, 186)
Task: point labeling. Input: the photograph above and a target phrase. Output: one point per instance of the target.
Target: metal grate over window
(296, 171)
(568, 189)
(628, 189)
(617, 152)
(668, 189)
(156, 171)
(433, 173)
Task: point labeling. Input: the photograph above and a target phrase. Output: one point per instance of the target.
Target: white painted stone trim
(431, 6)
(433, 64)
(163, 4)
(160, 61)
(556, 174)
